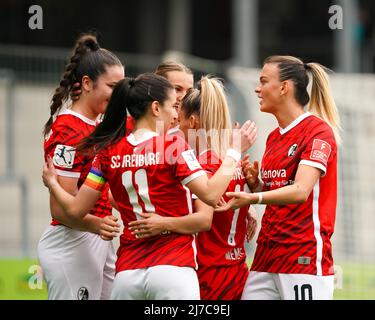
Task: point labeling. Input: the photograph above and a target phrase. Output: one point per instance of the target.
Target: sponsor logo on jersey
(83, 294)
(191, 159)
(235, 254)
(268, 174)
(292, 150)
(320, 151)
(64, 156)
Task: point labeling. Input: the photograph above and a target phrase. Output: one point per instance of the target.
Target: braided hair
(87, 59)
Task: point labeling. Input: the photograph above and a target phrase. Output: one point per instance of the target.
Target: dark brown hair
(133, 95)
(87, 59)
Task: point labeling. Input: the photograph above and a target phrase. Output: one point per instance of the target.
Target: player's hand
(251, 223)
(251, 172)
(75, 91)
(243, 138)
(49, 174)
(222, 203)
(109, 228)
(151, 225)
(238, 200)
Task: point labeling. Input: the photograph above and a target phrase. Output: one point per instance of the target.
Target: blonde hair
(169, 66)
(210, 103)
(321, 101)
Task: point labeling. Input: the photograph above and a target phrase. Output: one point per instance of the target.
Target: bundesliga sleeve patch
(320, 151)
(191, 160)
(64, 156)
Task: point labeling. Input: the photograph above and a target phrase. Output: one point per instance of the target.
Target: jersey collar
(78, 115)
(294, 123)
(145, 136)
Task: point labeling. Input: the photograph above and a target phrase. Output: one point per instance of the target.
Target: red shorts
(222, 283)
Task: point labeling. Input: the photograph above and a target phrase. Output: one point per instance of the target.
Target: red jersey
(149, 175)
(66, 132)
(296, 238)
(223, 245)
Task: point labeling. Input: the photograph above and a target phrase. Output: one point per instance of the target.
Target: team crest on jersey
(64, 156)
(83, 294)
(191, 160)
(292, 150)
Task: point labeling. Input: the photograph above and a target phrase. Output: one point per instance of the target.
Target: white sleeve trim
(193, 176)
(315, 165)
(68, 174)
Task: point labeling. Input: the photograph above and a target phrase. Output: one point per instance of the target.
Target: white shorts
(156, 283)
(282, 286)
(76, 265)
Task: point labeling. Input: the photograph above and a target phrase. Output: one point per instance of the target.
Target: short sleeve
(320, 149)
(186, 166)
(62, 149)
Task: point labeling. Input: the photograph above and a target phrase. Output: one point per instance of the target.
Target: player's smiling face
(269, 88)
(103, 87)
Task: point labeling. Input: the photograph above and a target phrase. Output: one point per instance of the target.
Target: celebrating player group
(166, 155)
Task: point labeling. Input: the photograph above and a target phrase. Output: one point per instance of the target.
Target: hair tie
(95, 46)
(306, 66)
(199, 86)
(131, 82)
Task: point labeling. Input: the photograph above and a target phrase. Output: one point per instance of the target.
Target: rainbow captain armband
(95, 180)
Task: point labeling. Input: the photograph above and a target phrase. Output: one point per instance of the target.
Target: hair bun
(90, 42)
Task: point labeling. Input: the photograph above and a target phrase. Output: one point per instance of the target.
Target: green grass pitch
(19, 281)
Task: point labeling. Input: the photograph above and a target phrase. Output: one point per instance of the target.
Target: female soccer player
(147, 172)
(221, 256)
(76, 262)
(298, 183)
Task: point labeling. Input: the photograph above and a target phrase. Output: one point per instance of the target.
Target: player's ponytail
(322, 103)
(209, 102)
(87, 59)
(214, 115)
(129, 95)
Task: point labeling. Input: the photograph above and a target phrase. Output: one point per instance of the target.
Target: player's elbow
(211, 200)
(302, 194)
(73, 212)
(206, 224)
